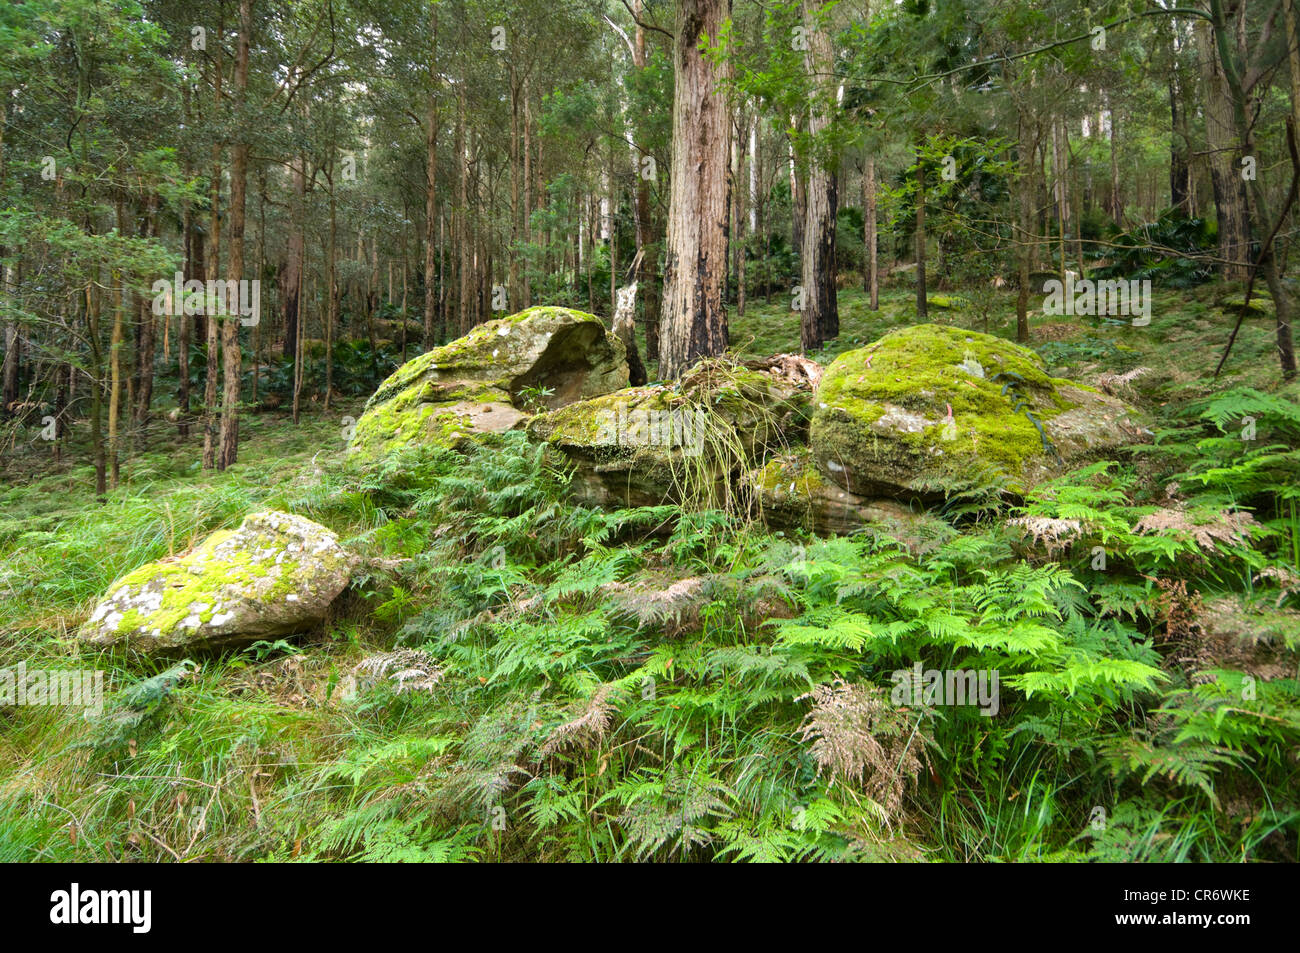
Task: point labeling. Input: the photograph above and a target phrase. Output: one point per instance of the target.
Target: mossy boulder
(690, 441)
(795, 494)
(491, 379)
(276, 574)
(927, 406)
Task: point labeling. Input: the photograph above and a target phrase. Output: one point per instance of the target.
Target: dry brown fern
(1228, 526)
(589, 725)
(410, 670)
(859, 738)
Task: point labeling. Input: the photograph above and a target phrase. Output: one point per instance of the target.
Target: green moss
(919, 371)
(582, 423)
(199, 584)
(795, 477)
(494, 363)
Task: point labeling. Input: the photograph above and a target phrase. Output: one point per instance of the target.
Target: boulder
(686, 442)
(794, 494)
(927, 406)
(277, 573)
(491, 380)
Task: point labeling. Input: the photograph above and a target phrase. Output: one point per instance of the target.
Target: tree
(694, 317)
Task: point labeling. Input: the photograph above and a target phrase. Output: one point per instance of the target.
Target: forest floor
(541, 622)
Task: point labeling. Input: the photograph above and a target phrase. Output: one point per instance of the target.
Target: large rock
(927, 406)
(492, 379)
(277, 573)
(796, 495)
(687, 442)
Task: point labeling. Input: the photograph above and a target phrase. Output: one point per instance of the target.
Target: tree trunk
(1025, 238)
(872, 265)
(230, 353)
(694, 317)
(821, 317)
(647, 277)
(430, 192)
(1179, 170)
(292, 273)
(211, 437)
(331, 291)
(922, 307)
(1225, 174)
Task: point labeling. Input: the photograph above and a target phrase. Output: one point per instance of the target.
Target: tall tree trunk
(291, 280)
(922, 307)
(462, 210)
(96, 393)
(694, 322)
(1025, 238)
(1225, 174)
(527, 300)
(821, 316)
(648, 238)
(115, 364)
(185, 322)
(148, 326)
(1116, 202)
(1257, 224)
(430, 190)
(331, 290)
(872, 264)
(1179, 168)
(230, 353)
(211, 435)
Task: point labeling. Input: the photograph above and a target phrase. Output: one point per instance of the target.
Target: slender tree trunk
(527, 300)
(1116, 202)
(115, 365)
(332, 291)
(922, 307)
(462, 207)
(869, 199)
(230, 352)
(694, 322)
(96, 393)
(291, 285)
(430, 191)
(1025, 238)
(647, 237)
(1179, 170)
(211, 435)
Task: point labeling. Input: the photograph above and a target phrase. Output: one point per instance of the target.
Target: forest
(649, 430)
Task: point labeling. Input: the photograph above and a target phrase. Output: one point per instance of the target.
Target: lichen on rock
(491, 380)
(277, 573)
(927, 404)
(682, 443)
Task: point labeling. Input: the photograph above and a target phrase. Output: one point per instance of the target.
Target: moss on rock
(276, 573)
(929, 404)
(489, 380)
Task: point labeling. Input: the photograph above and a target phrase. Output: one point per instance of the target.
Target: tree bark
(230, 352)
(1225, 174)
(922, 307)
(821, 318)
(869, 200)
(694, 316)
(430, 191)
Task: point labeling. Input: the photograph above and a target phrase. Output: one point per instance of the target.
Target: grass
(542, 615)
